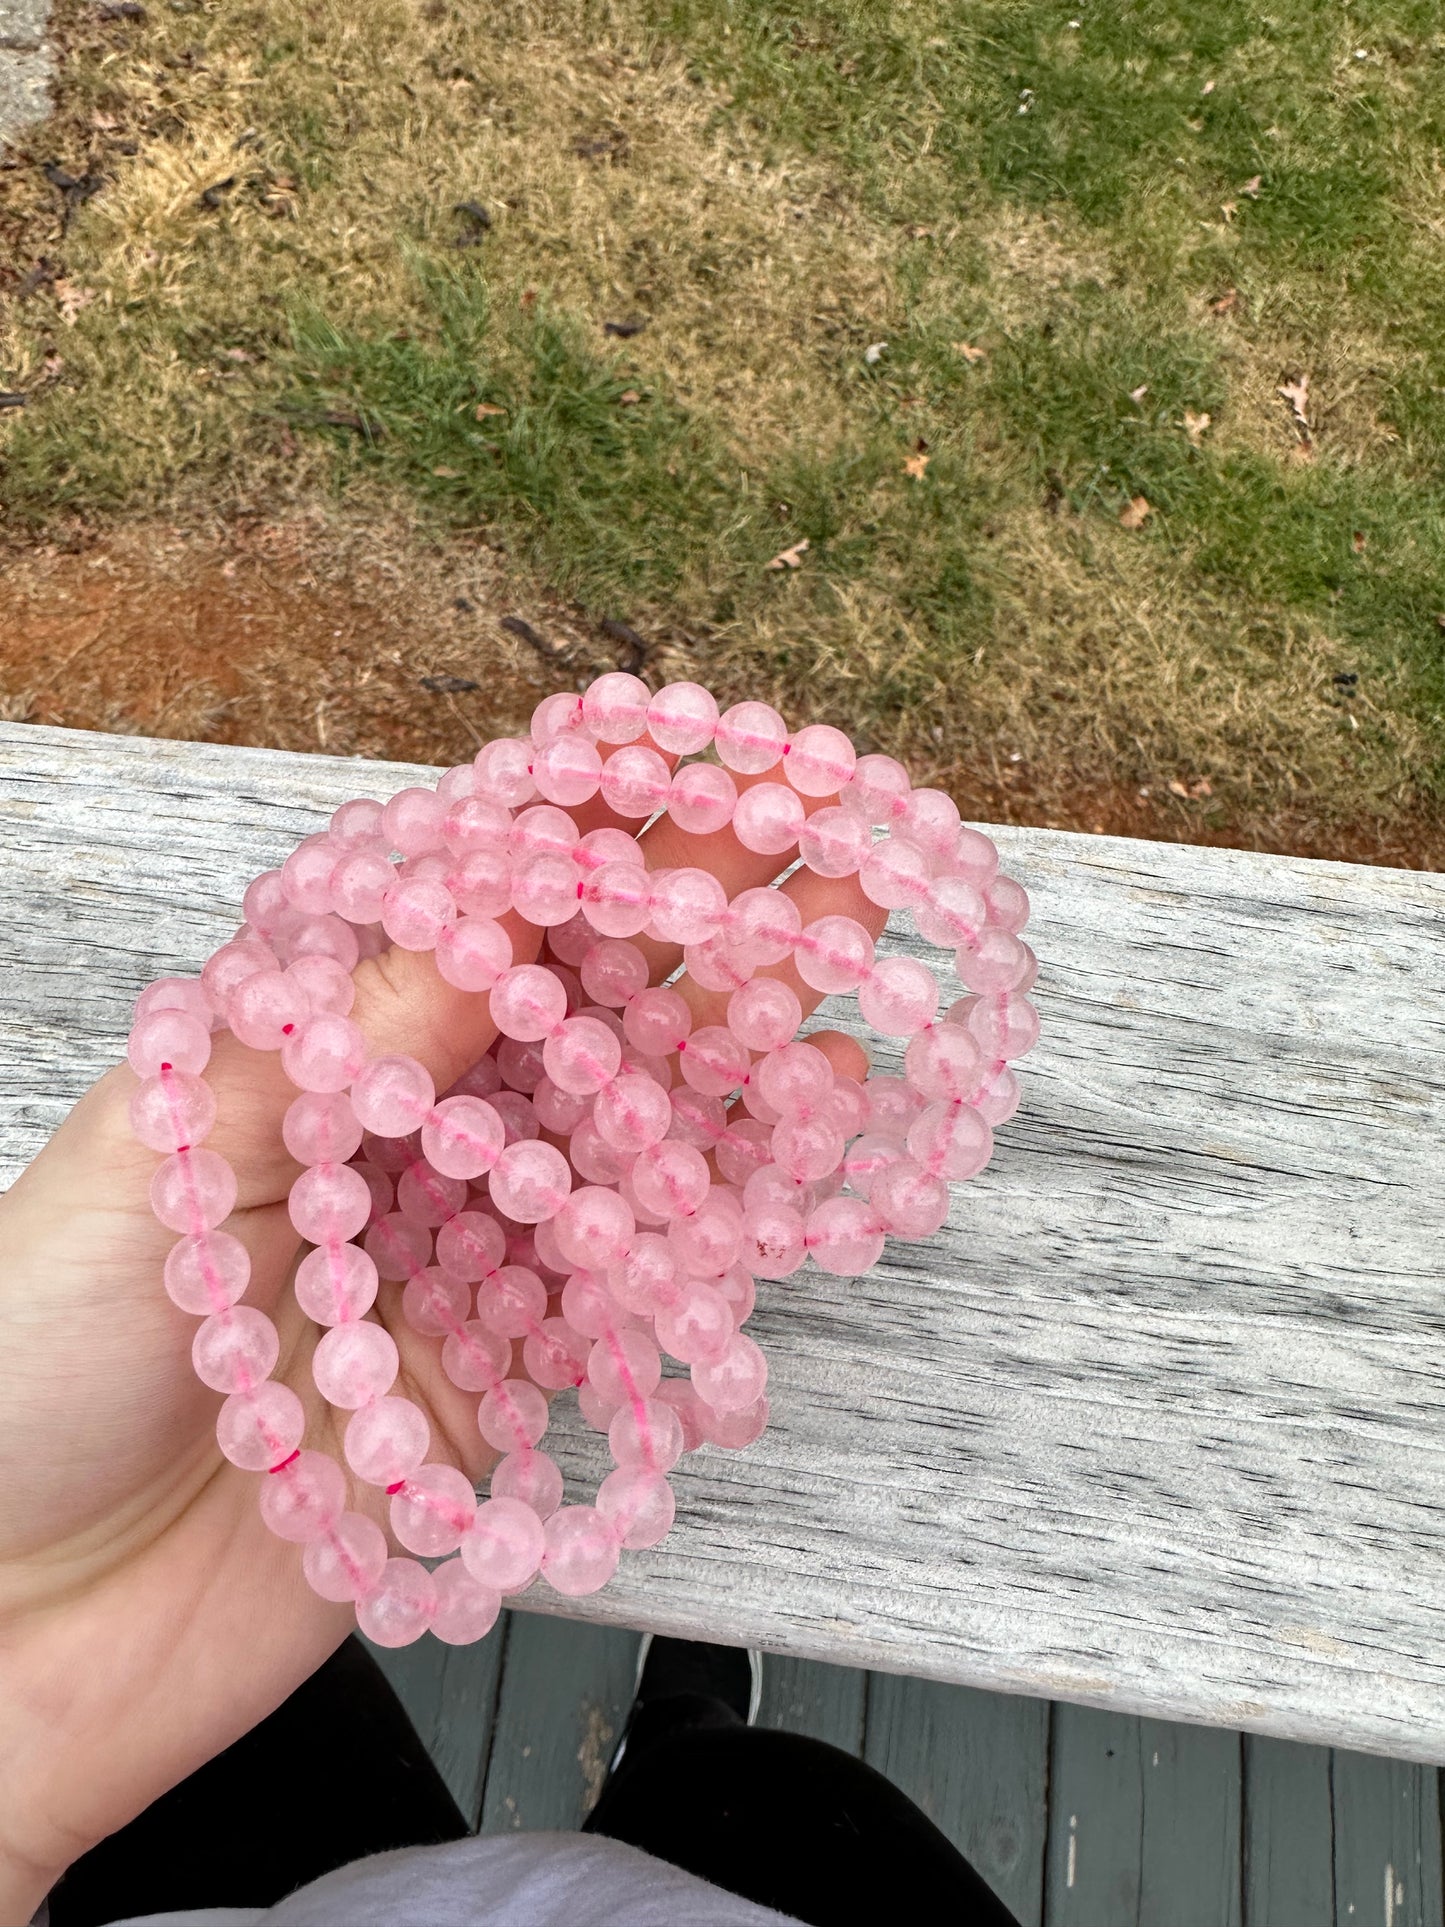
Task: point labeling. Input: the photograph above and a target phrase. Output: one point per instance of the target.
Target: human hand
(147, 1616)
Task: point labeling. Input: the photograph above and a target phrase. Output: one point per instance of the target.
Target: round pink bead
(559, 1111)
(997, 1097)
(304, 1498)
(1008, 904)
(617, 899)
(474, 1357)
(844, 1236)
(512, 1302)
(306, 875)
(685, 1403)
(895, 874)
(734, 1430)
(235, 1349)
(358, 821)
(231, 965)
(671, 1179)
(688, 906)
(544, 889)
(707, 1242)
(172, 1037)
(772, 1242)
(424, 1195)
(698, 1326)
(614, 708)
(735, 1379)
(258, 1429)
(360, 882)
(794, 1079)
(504, 1545)
(713, 966)
(397, 1246)
(415, 911)
(568, 770)
(555, 1356)
(632, 1112)
(647, 1433)
(386, 1441)
(820, 760)
(324, 984)
(636, 781)
(530, 1181)
(910, 1202)
(950, 1141)
(325, 1054)
(807, 1148)
(943, 1061)
(481, 882)
(475, 822)
(681, 718)
(193, 1191)
(393, 1095)
(581, 1056)
(463, 1137)
(207, 1273)
(768, 818)
(471, 1245)
(624, 1364)
(898, 996)
(952, 913)
(527, 1003)
(184, 994)
(346, 1562)
(744, 1148)
(400, 1608)
(465, 1610)
(638, 1506)
(763, 927)
(530, 1476)
(880, 787)
(834, 954)
(558, 715)
(996, 961)
(765, 1014)
(929, 819)
(581, 1551)
(434, 1510)
(504, 771)
(613, 972)
(412, 821)
(749, 737)
(354, 1364)
(594, 1228)
(329, 1202)
(702, 799)
(1005, 1026)
(657, 1021)
(336, 1283)
(265, 1009)
(834, 842)
(541, 830)
(172, 1109)
(713, 1061)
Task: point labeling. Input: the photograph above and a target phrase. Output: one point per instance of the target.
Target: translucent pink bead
(386, 1441)
(354, 1364)
(681, 718)
(1005, 1026)
(844, 1236)
(899, 996)
(807, 1148)
(504, 1545)
(323, 983)
(646, 1279)
(593, 1158)
(541, 830)
(393, 1095)
(763, 927)
(258, 1429)
(504, 771)
(614, 708)
(697, 1326)
(360, 881)
(594, 1228)
(522, 1071)
(765, 1014)
(512, 1302)
(834, 954)
(713, 1061)
(329, 1201)
(172, 1109)
(434, 1510)
(768, 818)
(527, 1003)
(735, 1379)
(476, 822)
(424, 1195)
(632, 1112)
(231, 965)
(184, 994)
(306, 875)
(581, 1056)
(713, 966)
(171, 1037)
(749, 737)
(895, 874)
(207, 1273)
(697, 1119)
(657, 1021)
(193, 1191)
(647, 1433)
(465, 1610)
(688, 906)
(834, 842)
(581, 1551)
(397, 1246)
(481, 882)
(707, 1242)
(950, 1141)
(235, 1349)
(943, 1061)
(568, 770)
(702, 799)
(358, 821)
(952, 913)
(530, 1476)
(613, 972)
(637, 1505)
(995, 961)
(474, 1357)
(558, 1111)
(734, 1430)
(304, 1498)
(624, 1364)
(743, 1148)
(555, 1356)
(415, 911)
(347, 1561)
(325, 1054)
(463, 1137)
(265, 1009)
(880, 786)
(400, 1608)
(530, 1181)
(336, 1283)
(772, 1242)
(617, 899)
(412, 821)
(929, 818)
(910, 1202)
(671, 1179)
(685, 1403)
(795, 1079)
(820, 760)
(636, 781)
(1008, 904)
(544, 889)
(559, 715)
(997, 1097)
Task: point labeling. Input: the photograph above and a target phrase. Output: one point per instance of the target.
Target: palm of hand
(147, 1616)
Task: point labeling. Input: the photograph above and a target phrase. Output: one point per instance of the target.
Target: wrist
(23, 1885)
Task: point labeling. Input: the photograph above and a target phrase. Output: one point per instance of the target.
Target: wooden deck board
(1289, 1846)
(450, 1693)
(824, 1702)
(1387, 1842)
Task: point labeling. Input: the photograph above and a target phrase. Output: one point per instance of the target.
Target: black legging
(789, 1822)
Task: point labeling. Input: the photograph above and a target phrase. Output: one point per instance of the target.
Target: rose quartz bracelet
(606, 1186)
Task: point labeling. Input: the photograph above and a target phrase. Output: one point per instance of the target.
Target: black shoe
(684, 1683)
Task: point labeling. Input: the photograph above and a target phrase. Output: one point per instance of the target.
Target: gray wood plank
(1387, 1842)
(450, 1693)
(1152, 1426)
(1289, 1876)
(565, 1691)
(977, 1764)
(1144, 1823)
(824, 1702)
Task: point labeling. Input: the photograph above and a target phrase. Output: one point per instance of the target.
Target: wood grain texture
(978, 1765)
(1387, 1842)
(1289, 1845)
(450, 1694)
(565, 1692)
(1153, 1426)
(823, 1702)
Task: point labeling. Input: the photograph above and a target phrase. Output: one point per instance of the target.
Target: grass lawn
(977, 315)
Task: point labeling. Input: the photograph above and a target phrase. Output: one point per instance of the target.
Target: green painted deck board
(825, 1702)
(1289, 1843)
(1387, 1842)
(451, 1694)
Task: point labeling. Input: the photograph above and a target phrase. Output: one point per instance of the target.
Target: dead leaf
(1229, 209)
(1359, 541)
(1176, 788)
(447, 474)
(1251, 187)
(790, 558)
(237, 354)
(1138, 394)
(1207, 88)
(72, 299)
(1295, 389)
(485, 408)
(628, 398)
(874, 351)
(1203, 787)
(1195, 425)
(104, 123)
(1135, 512)
(1225, 303)
(527, 298)
(918, 461)
(969, 352)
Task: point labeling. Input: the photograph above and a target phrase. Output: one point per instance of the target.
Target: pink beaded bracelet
(606, 1186)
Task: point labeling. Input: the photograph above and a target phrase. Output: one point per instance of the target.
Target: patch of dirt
(296, 634)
